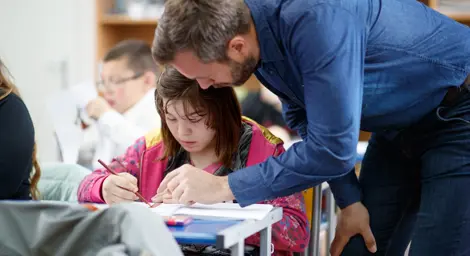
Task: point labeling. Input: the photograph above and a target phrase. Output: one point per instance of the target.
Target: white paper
(83, 93)
(167, 209)
(362, 147)
(67, 109)
(63, 113)
(221, 210)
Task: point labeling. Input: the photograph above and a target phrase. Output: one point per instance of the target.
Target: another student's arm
(91, 186)
(16, 145)
(332, 73)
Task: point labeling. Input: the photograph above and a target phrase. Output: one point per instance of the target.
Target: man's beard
(241, 72)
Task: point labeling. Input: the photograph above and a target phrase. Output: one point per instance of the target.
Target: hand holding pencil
(120, 187)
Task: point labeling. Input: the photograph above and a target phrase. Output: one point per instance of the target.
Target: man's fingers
(168, 178)
(173, 184)
(338, 244)
(167, 196)
(157, 198)
(169, 201)
(177, 192)
(369, 239)
(186, 198)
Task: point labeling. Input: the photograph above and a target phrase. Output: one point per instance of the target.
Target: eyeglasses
(112, 85)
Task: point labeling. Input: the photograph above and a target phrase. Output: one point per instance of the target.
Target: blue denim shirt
(344, 65)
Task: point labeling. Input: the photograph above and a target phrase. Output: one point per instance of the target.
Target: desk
(228, 234)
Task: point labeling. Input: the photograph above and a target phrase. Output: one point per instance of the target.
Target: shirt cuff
(248, 187)
(346, 189)
(96, 196)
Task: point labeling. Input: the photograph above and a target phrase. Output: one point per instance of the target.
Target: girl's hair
(219, 105)
(7, 87)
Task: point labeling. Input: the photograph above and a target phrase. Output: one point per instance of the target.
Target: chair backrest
(308, 198)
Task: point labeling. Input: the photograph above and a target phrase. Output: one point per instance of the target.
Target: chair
(313, 206)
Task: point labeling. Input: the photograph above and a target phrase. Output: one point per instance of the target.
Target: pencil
(114, 173)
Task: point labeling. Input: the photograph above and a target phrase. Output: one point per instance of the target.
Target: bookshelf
(113, 28)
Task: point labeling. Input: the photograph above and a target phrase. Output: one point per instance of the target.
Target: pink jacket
(291, 234)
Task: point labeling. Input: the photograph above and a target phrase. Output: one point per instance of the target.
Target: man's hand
(119, 188)
(165, 196)
(188, 184)
(97, 107)
(353, 220)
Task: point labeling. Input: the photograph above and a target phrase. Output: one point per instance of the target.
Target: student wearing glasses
(124, 111)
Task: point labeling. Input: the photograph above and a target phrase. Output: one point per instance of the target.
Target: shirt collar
(269, 50)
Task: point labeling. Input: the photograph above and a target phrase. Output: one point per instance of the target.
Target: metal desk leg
(265, 241)
(331, 218)
(238, 249)
(314, 243)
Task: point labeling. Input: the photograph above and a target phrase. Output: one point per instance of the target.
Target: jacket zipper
(140, 170)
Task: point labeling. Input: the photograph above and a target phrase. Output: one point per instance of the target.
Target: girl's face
(189, 129)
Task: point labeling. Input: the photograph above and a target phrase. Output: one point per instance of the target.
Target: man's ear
(237, 49)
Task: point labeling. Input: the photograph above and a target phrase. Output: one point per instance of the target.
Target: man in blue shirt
(395, 68)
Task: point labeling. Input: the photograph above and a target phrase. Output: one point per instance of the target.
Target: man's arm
(295, 117)
(329, 45)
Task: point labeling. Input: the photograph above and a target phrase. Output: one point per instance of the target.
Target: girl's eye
(171, 119)
(196, 120)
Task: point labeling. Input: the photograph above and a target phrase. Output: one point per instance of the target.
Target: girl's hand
(119, 188)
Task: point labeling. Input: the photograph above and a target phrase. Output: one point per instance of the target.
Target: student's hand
(97, 107)
(353, 220)
(188, 184)
(119, 188)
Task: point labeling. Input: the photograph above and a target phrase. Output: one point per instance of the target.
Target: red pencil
(114, 173)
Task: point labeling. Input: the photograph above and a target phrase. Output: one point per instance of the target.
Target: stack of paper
(221, 210)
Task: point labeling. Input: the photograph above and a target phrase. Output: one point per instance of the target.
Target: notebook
(221, 210)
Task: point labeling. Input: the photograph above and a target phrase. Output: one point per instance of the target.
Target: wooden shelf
(126, 20)
(460, 16)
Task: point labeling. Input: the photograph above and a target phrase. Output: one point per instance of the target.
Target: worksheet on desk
(221, 210)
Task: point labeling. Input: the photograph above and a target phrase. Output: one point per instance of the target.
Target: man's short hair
(138, 54)
(202, 26)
